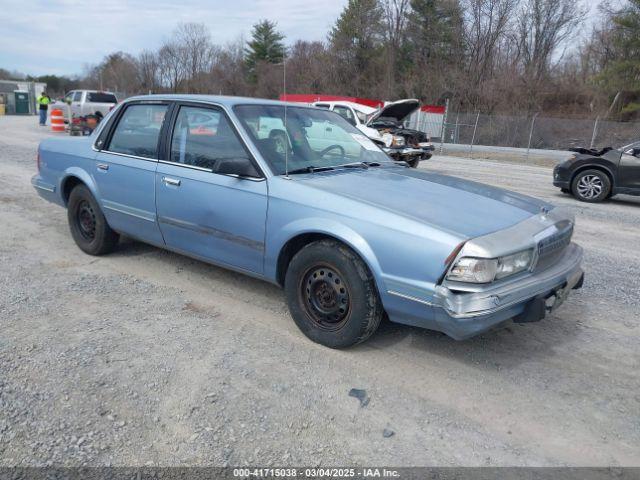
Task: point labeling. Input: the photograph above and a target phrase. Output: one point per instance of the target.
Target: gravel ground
(146, 357)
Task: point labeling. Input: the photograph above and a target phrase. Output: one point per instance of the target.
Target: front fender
(325, 226)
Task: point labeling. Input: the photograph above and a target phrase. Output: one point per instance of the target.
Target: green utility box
(22, 102)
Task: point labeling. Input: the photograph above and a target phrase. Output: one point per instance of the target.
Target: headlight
(398, 141)
(486, 270)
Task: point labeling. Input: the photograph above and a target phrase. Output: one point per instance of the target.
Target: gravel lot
(147, 357)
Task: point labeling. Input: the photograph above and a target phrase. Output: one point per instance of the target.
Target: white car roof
(356, 106)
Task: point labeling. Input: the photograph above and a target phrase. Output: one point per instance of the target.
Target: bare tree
(543, 27)
(170, 60)
(148, 71)
(194, 47)
(486, 31)
(395, 23)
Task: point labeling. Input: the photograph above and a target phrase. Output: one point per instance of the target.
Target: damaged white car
(384, 126)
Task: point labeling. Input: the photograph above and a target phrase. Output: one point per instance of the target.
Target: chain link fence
(536, 132)
(524, 132)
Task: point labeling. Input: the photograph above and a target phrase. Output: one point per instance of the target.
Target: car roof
(356, 106)
(223, 100)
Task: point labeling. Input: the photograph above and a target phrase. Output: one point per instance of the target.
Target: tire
(565, 190)
(413, 163)
(332, 295)
(88, 226)
(591, 186)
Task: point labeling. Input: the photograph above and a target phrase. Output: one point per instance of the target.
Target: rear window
(100, 97)
(138, 130)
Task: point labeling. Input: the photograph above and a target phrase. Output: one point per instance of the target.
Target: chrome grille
(552, 247)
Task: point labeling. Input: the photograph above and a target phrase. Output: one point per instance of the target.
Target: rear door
(214, 216)
(125, 170)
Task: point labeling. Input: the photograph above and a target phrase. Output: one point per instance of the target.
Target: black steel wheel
(88, 226)
(332, 295)
(86, 220)
(325, 296)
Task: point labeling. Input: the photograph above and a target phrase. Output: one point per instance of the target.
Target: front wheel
(413, 163)
(591, 186)
(332, 295)
(88, 226)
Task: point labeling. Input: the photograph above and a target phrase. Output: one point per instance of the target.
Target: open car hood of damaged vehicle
(397, 111)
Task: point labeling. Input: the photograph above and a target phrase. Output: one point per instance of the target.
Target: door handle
(103, 166)
(171, 181)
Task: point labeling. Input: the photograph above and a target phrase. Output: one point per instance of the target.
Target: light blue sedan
(297, 196)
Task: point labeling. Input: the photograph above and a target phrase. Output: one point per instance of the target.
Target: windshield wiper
(309, 169)
(364, 165)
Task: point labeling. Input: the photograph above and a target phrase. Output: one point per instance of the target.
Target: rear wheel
(332, 295)
(591, 186)
(88, 226)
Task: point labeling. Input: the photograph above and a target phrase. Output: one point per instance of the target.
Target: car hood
(461, 207)
(396, 110)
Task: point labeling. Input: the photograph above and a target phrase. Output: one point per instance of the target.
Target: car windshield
(310, 138)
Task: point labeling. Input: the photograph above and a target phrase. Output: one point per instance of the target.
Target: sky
(61, 37)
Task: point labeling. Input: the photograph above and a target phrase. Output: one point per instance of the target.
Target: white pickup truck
(88, 102)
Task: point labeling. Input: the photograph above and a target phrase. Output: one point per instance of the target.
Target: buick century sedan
(297, 196)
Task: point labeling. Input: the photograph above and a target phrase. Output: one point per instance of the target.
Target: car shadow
(627, 200)
(505, 346)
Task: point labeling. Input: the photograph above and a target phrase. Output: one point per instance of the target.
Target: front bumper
(403, 152)
(561, 177)
(465, 314)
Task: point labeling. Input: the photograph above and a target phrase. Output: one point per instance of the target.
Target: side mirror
(242, 167)
(635, 152)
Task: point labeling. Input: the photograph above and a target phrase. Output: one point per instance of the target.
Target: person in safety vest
(43, 105)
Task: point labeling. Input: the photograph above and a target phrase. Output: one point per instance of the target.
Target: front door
(125, 172)
(213, 216)
(629, 171)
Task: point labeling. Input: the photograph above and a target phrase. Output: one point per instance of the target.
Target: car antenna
(286, 131)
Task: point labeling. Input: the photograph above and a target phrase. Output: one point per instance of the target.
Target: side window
(345, 113)
(77, 96)
(69, 97)
(203, 137)
(138, 130)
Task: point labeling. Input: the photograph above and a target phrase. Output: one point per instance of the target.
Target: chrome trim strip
(206, 230)
(46, 188)
(409, 297)
(208, 170)
(155, 160)
(192, 167)
(133, 212)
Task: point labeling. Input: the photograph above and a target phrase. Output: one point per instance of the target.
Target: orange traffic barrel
(57, 120)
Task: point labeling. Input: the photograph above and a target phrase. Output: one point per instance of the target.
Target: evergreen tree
(266, 45)
(622, 71)
(356, 42)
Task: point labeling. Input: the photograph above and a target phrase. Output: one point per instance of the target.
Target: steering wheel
(332, 147)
